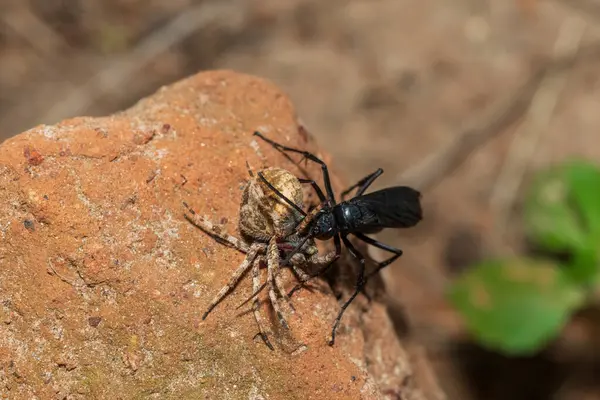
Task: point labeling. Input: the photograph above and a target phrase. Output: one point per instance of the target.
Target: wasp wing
(395, 207)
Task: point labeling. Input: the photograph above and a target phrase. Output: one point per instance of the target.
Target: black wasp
(393, 207)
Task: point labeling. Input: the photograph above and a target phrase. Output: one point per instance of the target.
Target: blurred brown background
(462, 99)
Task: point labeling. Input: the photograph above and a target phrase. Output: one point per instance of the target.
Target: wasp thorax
(263, 213)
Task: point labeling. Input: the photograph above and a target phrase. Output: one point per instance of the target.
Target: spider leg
(273, 253)
(263, 332)
(363, 184)
(215, 231)
(326, 260)
(309, 156)
(249, 169)
(360, 283)
(272, 270)
(397, 252)
(235, 278)
(298, 261)
(253, 295)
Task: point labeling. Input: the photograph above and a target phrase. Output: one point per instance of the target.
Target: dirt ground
(385, 83)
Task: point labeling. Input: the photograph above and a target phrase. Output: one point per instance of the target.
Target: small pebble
(29, 225)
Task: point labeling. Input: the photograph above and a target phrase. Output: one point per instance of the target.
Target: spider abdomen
(263, 214)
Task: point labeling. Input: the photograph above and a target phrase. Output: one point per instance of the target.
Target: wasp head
(324, 226)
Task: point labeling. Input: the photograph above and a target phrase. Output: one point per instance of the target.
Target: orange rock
(103, 282)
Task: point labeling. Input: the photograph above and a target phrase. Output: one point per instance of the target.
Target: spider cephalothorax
(267, 225)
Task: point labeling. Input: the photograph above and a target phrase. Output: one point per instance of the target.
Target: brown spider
(267, 227)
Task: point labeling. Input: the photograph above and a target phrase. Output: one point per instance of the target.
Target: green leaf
(562, 214)
(515, 306)
(584, 181)
(583, 267)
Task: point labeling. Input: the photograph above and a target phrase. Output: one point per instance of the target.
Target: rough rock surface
(103, 282)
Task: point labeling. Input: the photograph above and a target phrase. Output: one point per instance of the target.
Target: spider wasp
(392, 207)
